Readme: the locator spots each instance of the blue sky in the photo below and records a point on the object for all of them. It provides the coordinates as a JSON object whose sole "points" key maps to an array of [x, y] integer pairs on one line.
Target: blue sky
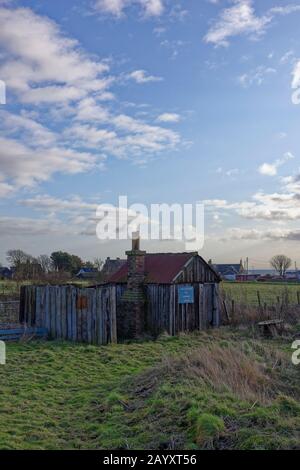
{"points": [[163, 101]]}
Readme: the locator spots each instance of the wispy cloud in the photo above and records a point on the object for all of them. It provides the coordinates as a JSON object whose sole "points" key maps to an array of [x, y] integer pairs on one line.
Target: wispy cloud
{"points": [[256, 76], [169, 117], [141, 76], [150, 8], [270, 169], [241, 19], [235, 20]]}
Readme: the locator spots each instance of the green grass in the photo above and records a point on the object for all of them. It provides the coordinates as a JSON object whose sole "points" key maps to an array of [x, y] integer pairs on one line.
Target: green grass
{"points": [[246, 292], [216, 389]]}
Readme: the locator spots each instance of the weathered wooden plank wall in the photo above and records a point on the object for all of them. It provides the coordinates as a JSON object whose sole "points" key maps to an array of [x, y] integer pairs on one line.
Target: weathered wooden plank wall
{"points": [[164, 313], [92, 315], [71, 313]]}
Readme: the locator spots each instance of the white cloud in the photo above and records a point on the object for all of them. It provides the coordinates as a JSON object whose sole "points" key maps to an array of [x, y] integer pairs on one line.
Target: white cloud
{"points": [[285, 10], [270, 169], [31, 130], [241, 18], [150, 8], [21, 226], [273, 234], [141, 76], [36, 53], [232, 172], [256, 76], [52, 204], [173, 46], [168, 117], [129, 138], [274, 207], [51, 74], [235, 20], [24, 166]]}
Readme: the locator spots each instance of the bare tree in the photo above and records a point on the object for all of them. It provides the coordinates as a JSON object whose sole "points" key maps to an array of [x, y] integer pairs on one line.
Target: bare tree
{"points": [[281, 263], [18, 257], [98, 263], [46, 263]]}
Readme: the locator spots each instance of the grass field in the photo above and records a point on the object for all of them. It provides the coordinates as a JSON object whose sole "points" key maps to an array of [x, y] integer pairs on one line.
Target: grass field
{"points": [[246, 292], [216, 389]]}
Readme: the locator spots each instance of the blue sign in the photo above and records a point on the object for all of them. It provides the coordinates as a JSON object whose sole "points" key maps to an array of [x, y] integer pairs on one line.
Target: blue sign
{"points": [[186, 294]]}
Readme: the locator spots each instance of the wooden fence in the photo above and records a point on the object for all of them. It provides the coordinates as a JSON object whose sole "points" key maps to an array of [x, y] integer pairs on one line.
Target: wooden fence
{"points": [[71, 313], [165, 313], [95, 315]]}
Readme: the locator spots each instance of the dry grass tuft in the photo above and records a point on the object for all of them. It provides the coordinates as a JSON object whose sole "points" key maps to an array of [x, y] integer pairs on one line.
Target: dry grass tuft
{"points": [[225, 370], [248, 375]]}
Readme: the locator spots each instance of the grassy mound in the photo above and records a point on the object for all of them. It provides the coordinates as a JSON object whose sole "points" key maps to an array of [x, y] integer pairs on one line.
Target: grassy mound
{"points": [[221, 389]]}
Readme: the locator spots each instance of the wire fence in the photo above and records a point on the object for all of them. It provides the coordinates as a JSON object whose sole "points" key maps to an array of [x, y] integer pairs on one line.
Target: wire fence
{"points": [[9, 312]]}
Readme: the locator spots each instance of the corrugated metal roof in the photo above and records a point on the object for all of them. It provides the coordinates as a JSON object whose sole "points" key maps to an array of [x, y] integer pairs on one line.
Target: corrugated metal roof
{"points": [[160, 268]]}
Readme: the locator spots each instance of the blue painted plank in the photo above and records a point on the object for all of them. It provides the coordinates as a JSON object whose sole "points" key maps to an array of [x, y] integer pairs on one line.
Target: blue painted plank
{"points": [[27, 331]]}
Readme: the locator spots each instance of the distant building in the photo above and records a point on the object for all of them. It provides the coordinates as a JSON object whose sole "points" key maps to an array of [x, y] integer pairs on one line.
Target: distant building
{"points": [[293, 275], [5, 273], [111, 266], [229, 272], [87, 273], [244, 277]]}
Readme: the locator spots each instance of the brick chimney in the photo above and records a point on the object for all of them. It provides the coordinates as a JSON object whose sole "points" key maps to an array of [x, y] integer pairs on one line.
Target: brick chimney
{"points": [[136, 268], [134, 297]]}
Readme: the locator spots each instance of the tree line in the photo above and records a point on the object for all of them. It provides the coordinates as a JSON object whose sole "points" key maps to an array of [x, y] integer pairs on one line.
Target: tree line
{"points": [[26, 266]]}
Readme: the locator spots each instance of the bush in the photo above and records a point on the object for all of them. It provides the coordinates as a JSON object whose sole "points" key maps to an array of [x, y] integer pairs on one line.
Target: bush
{"points": [[206, 427]]}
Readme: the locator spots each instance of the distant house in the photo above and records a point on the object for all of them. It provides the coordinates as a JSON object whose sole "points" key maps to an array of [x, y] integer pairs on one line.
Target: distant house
{"points": [[87, 273], [5, 273], [111, 266], [229, 272]]}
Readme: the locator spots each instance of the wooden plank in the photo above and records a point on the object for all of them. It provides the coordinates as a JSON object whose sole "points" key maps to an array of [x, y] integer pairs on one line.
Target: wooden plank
{"points": [[74, 313], [28, 306], [84, 336], [89, 293], [200, 307], [22, 331], [38, 312], [58, 313], [64, 329], [78, 314], [43, 305], [99, 316], [216, 303], [52, 301], [113, 313], [104, 316], [69, 312], [47, 308], [94, 315]]}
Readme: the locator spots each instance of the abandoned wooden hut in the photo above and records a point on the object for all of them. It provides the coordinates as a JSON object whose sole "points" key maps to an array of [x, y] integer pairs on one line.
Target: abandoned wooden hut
{"points": [[150, 294], [169, 292]]}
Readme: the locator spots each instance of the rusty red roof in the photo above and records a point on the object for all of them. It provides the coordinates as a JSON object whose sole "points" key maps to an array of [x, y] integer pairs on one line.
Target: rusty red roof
{"points": [[161, 268]]}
